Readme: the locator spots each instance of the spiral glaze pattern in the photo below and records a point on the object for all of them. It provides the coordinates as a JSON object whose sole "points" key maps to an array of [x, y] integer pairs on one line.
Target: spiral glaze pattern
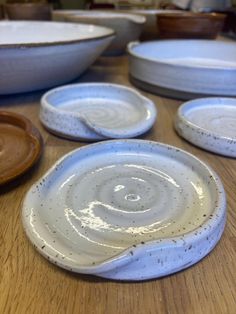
{"points": [[125, 200], [126, 209], [113, 114]]}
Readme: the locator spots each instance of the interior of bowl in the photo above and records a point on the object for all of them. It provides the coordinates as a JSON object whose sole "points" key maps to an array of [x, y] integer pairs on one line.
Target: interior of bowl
{"points": [[41, 33], [197, 52]]}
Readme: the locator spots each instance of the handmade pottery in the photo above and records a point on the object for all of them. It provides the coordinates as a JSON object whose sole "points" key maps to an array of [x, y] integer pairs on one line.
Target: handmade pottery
{"points": [[184, 68], [126, 210], [95, 111], [37, 55], [209, 123], [20, 146], [1, 12], [190, 25], [128, 27], [29, 11]]}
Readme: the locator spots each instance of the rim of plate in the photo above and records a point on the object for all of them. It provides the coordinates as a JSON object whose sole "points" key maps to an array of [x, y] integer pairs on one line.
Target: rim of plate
{"points": [[142, 127], [131, 46], [181, 115], [110, 32], [131, 252]]}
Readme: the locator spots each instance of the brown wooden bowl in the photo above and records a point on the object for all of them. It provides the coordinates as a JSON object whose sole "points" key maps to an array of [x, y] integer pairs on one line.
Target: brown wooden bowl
{"points": [[20, 146], [190, 25], [29, 11]]}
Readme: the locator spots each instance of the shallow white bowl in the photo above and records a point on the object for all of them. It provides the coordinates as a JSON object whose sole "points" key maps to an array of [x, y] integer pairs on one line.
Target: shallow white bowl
{"points": [[97, 111], [37, 55], [209, 123], [128, 27], [184, 68], [130, 210]]}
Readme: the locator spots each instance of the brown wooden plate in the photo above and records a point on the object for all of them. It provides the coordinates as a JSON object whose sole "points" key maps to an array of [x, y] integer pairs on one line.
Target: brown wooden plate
{"points": [[20, 146]]}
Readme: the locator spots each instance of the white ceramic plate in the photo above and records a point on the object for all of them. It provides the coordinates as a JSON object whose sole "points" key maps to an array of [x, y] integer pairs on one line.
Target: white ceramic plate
{"points": [[184, 68], [128, 210], [209, 123], [37, 55], [97, 111]]}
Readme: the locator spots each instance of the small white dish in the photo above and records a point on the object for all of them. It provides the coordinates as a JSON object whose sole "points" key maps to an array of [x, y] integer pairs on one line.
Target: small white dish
{"points": [[38, 55], [184, 69], [95, 111], [209, 123], [126, 210]]}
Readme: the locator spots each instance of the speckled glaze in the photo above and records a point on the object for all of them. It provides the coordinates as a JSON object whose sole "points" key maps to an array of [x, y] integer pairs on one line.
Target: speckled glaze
{"points": [[97, 111], [209, 123], [211, 69], [128, 27], [126, 210], [37, 55]]}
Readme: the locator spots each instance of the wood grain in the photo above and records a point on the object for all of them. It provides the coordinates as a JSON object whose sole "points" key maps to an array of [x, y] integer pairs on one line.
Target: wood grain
{"points": [[30, 284]]}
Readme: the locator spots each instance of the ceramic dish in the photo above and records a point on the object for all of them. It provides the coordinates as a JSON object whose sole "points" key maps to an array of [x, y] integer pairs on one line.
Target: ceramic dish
{"points": [[96, 111], [29, 11], [190, 25], [150, 30], [1, 12], [129, 210], [184, 68], [20, 146], [61, 15], [128, 27], [209, 123], [36, 55]]}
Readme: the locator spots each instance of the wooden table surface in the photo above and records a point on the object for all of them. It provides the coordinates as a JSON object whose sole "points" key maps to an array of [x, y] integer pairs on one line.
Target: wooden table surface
{"points": [[30, 284]]}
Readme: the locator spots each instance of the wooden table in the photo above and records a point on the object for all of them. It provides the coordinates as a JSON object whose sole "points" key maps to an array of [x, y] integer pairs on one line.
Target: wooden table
{"points": [[30, 284]]}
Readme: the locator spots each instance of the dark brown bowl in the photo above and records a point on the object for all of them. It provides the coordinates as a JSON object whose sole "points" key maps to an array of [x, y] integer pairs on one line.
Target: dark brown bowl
{"points": [[190, 25], [29, 11], [1, 12]]}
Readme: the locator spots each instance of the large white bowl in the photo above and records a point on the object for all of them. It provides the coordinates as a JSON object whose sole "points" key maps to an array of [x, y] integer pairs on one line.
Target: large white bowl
{"points": [[128, 27], [184, 68], [37, 55], [150, 28]]}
